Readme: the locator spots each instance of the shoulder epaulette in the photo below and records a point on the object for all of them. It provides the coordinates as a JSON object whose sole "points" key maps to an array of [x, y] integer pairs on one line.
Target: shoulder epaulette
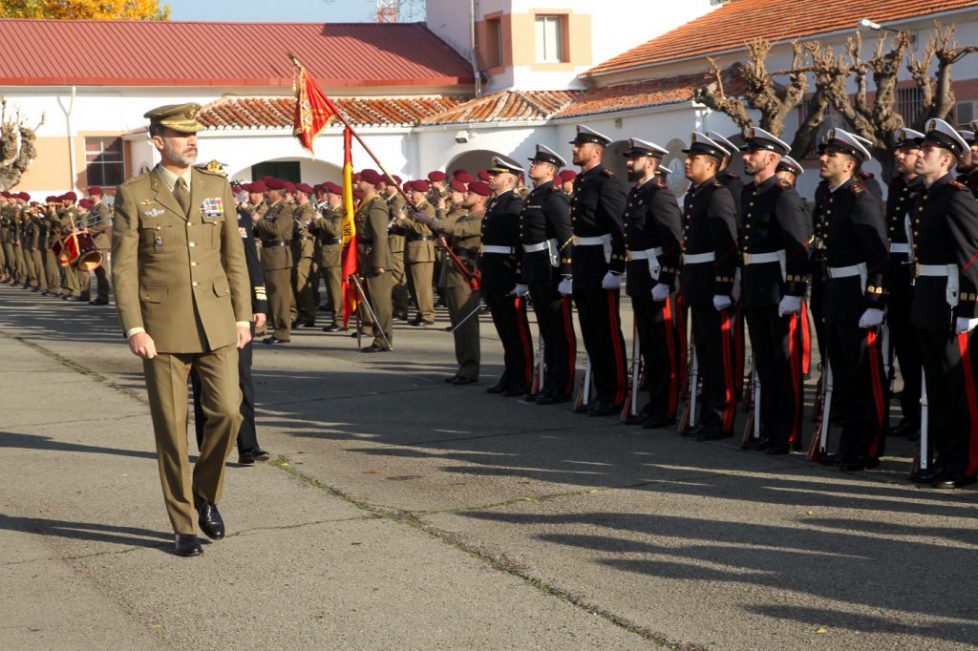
{"points": [[959, 186], [857, 188], [608, 173], [659, 183], [204, 170]]}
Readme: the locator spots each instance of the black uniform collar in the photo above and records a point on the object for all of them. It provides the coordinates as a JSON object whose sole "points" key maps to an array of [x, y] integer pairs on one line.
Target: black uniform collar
{"points": [[944, 180], [648, 185], [696, 188], [765, 185], [597, 169], [844, 185], [543, 187]]}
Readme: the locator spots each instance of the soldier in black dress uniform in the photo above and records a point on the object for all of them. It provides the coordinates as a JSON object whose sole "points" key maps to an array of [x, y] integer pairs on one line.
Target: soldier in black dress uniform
{"points": [[855, 250], [968, 163], [775, 232], [500, 268], [945, 305], [653, 228], [597, 206], [709, 262], [902, 194], [548, 244]]}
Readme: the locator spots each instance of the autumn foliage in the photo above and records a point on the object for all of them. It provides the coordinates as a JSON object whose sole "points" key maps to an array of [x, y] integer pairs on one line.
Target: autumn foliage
{"points": [[85, 9]]}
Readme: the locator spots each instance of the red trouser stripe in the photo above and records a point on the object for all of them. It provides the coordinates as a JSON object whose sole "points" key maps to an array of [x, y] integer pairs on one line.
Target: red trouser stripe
{"points": [[667, 321], [794, 358], [681, 332], [806, 340], [565, 307], [739, 353], [728, 384], [524, 341], [877, 386], [969, 390], [616, 345]]}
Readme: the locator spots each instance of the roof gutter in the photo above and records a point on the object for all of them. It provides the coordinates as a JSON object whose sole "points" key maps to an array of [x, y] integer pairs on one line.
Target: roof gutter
{"points": [[838, 32], [71, 136]]}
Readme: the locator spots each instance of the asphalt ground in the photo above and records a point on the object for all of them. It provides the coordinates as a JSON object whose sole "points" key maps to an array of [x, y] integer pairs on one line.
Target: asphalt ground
{"points": [[402, 513]]}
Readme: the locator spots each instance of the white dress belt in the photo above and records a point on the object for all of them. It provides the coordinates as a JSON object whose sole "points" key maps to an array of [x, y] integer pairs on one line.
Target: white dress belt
{"points": [[646, 254], [932, 270], [699, 258], [533, 248], [949, 271], [501, 250], [899, 247], [763, 258], [854, 270], [600, 240]]}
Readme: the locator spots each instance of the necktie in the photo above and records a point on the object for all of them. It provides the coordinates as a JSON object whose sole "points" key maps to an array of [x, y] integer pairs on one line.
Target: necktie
{"points": [[182, 195]]}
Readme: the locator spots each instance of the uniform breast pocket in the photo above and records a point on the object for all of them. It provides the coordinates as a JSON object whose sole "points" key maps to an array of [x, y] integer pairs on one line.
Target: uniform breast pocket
{"points": [[156, 239], [214, 230]]}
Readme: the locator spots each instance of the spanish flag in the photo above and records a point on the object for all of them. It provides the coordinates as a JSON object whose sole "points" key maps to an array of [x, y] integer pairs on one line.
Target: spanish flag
{"points": [[349, 230], [313, 110]]}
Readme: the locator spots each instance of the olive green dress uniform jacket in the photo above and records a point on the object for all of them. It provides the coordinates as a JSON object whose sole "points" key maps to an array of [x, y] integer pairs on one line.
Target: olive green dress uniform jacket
{"points": [[100, 224], [275, 227], [373, 247], [464, 230], [303, 245], [171, 271], [328, 228], [419, 250]]}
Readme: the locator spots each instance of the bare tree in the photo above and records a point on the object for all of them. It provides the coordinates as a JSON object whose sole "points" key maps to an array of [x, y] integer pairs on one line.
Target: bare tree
{"points": [[17, 147], [937, 92]]}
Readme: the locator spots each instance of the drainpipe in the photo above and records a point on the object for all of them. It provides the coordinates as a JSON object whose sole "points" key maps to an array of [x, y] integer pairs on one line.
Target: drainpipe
{"points": [[474, 50], [71, 138]]}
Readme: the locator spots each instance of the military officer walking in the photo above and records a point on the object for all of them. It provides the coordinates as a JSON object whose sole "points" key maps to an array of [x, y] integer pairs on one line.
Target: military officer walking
{"points": [[182, 294], [653, 228], [275, 231], [597, 206]]}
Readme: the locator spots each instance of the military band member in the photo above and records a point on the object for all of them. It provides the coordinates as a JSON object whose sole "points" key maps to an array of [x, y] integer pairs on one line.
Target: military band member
{"points": [[303, 249], [944, 311], [181, 289], [548, 244], [400, 295], [32, 250], [709, 260], [328, 228], [17, 232], [463, 230], [775, 232], [597, 205], [52, 230], [8, 272], [77, 280], [855, 250], [419, 254], [275, 230], [500, 268], [653, 228], [100, 227], [374, 258], [899, 277]]}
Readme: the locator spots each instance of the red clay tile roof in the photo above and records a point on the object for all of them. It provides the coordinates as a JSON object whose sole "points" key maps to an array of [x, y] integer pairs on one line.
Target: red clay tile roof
{"points": [[507, 106], [733, 24], [278, 112], [129, 53], [639, 95]]}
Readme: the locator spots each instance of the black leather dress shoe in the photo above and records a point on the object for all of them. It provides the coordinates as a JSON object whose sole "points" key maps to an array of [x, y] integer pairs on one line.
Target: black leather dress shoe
{"points": [[72, 299], [959, 481], [599, 409], [99, 301], [248, 457], [514, 392], [451, 380], [274, 340], [851, 465], [332, 327], [713, 435], [209, 519], [925, 476], [187, 545], [693, 432], [777, 449], [831, 459], [421, 323], [497, 388], [554, 398], [760, 444], [374, 348], [462, 381], [657, 422]]}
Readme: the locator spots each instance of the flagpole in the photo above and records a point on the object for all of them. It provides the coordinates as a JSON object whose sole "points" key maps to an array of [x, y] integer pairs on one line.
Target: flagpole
{"points": [[472, 278]]}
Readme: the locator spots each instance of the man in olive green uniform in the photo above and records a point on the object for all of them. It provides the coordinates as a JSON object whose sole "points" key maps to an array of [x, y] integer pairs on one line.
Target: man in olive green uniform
{"points": [[52, 231], [183, 295], [275, 231], [32, 250], [420, 254], [75, 283], [396, 203], [374, 258], [100, 226], [328, 228], [303, 248], [6, 241], [463, 228]]}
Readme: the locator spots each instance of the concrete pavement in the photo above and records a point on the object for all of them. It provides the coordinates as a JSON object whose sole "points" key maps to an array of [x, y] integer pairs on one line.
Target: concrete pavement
{"points": [[402, 513]]}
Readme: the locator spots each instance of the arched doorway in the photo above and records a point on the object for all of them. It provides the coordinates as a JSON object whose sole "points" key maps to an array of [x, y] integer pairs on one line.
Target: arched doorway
{"points": [[296, 170]]}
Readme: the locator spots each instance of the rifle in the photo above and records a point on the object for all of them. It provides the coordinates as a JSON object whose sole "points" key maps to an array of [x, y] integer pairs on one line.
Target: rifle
{"points": [[820, 438], [688, 419], [752, 398], [539, 371], [921, 462], [629, 410], [583, 399]]}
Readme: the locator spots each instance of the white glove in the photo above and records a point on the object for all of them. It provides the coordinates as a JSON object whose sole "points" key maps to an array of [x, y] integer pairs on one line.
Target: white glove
{"points": [[721, 302], [520, 290], [660, 292], [611, 280], [789, 305], [964, 324], [566, 286], [871, 318]]}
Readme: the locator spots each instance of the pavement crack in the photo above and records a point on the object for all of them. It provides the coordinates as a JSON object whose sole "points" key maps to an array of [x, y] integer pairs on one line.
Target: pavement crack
{"points": [[495, 561]]}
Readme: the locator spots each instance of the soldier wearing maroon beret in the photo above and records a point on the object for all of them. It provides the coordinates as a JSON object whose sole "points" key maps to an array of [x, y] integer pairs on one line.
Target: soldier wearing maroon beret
{"points": [[304, 273], [275, 231], [419, 253], [328, 230]]}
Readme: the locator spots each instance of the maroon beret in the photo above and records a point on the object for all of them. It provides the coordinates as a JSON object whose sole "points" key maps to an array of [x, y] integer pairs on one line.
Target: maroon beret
{"points": [[85, 203], [421, 186], [333, 188], [304, 187], [51, 199], [457, 186], [484, 175], [463, 176], [95, 191], [69, 196], [258, 187], [356, 177], [480, 187], [437, 176], [397, 179], [5, 194], [289, 186], [275, 184], [24, 196], [567, 175], [370, 176]]}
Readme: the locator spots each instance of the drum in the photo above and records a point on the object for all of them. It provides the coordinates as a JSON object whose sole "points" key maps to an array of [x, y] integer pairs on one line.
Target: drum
{"points": [[82, 251], [58, 249]]}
